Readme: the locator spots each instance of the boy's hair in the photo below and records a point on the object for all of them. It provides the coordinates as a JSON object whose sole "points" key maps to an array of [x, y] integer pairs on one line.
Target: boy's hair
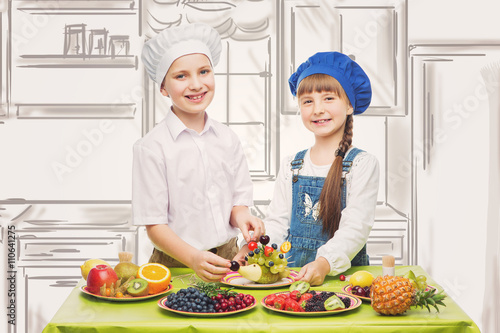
{"points": [[330, 200]]}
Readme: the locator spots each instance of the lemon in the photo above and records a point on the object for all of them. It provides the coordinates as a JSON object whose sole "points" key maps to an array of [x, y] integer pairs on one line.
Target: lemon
{"points": [[89, 264], [361, 278]]}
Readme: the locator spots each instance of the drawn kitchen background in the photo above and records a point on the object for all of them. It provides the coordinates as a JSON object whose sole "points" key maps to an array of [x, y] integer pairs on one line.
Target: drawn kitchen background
{"points": [[74, 98]]}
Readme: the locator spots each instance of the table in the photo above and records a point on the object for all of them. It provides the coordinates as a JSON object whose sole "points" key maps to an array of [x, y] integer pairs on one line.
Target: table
{"points": [[84, 313]]}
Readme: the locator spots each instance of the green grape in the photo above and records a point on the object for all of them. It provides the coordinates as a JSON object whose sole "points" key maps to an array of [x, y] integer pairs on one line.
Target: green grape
{"points": [[274, 269], [280, 267], [285, 262], [275, 256], [251, 260], [267, 263], [261, 261]]}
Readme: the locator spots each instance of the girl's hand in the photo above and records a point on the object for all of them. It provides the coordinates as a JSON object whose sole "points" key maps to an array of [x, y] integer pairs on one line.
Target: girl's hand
{"points": [[209, 266], [314, 272], [240, 256]]}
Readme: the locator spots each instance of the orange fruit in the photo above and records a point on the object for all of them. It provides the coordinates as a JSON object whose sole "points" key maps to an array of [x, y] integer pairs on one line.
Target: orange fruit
{"points": [[285, 247], [157, 275]]}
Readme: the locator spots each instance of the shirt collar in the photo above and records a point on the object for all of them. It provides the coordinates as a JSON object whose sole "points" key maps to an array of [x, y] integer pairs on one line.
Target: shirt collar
{"points": [[176, 126]]}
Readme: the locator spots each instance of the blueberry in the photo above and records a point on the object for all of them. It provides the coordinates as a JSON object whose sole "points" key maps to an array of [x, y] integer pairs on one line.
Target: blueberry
{"points": [[256, 251], [250, 254], [274, 246], [271, 263], [281, 256]]}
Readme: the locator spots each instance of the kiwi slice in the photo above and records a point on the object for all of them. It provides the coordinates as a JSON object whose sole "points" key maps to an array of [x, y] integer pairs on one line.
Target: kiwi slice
{"points": [[334, 303], [301, 286], [138, 287]]}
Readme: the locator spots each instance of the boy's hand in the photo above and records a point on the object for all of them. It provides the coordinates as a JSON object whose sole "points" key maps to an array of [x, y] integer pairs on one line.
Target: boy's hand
{"points": [[240, 256], [209, 266], [246, 222], [315, 272]]}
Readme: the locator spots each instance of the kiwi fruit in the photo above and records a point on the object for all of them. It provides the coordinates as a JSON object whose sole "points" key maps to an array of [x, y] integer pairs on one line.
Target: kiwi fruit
{"points": [[301, 286], [138, 287], [125, 268], [334, 303]]}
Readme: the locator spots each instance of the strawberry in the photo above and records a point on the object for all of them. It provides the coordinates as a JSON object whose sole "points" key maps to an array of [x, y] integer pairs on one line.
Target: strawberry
{"points": [[295, 295], [291, 305], [268, 251], [279, 303], [304, 298], [271, 299]]}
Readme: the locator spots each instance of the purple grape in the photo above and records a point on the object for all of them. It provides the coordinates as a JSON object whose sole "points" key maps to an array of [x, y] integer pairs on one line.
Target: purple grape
{"points": [[264, 239], [235, 265]]}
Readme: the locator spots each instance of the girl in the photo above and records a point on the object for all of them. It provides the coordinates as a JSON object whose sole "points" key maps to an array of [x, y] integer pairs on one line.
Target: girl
{"points": [[325, 196]]}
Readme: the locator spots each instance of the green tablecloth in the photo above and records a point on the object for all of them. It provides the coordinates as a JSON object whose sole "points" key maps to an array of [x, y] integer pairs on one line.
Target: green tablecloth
{"points": [[84, 313]]}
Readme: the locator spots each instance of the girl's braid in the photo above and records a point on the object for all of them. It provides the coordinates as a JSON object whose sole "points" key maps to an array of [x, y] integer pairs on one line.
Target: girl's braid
{"points": [[346, 141]]}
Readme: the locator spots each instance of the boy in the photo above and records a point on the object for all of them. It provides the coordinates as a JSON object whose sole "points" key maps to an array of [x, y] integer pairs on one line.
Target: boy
{"points": [[191, 184]]}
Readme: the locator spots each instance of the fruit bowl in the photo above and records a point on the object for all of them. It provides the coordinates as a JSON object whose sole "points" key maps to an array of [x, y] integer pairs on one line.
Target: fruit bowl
{"points": [[84, 290], [355, 303], [235, 279]]}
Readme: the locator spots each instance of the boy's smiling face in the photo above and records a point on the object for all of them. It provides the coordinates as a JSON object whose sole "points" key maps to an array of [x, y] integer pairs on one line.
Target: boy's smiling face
{"points": [[190, 84]]}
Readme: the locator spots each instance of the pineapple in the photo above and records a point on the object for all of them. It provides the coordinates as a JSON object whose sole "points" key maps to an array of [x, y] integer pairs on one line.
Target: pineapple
{"points": [[393, 295]]}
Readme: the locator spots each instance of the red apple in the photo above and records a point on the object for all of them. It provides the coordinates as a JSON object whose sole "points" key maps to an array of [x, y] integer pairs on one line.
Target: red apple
{"points": [[98, 276]]}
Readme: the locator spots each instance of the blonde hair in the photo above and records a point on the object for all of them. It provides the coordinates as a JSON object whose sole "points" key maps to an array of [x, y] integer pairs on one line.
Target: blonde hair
{"points": [[330, 207]]}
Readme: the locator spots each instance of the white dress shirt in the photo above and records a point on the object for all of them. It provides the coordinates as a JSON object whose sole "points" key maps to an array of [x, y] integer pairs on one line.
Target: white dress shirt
{"points": [[190, 180], [357, 217]]}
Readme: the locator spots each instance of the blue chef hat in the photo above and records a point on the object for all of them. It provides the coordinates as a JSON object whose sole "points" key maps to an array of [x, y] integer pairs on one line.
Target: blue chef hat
{"points": [[350, 75]]}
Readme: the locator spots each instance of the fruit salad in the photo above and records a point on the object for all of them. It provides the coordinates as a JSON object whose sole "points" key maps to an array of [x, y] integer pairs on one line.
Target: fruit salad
{"points": [[206, 297], [265, 263]]}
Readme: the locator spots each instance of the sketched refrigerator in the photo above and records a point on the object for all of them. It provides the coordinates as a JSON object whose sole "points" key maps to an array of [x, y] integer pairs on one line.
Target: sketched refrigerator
{"points": [[454, 108]]}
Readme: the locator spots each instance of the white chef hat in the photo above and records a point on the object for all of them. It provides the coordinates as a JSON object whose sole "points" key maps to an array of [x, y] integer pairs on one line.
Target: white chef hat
{"points": [[161, 51]]}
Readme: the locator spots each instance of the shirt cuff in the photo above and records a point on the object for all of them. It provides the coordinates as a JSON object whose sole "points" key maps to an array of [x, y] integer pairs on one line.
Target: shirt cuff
{"points": [[339, 262]]}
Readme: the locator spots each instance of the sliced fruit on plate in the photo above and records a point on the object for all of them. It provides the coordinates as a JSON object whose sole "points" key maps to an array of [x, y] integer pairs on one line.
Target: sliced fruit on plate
{"points": [[301, 286], [157, 275], [334, 303]]}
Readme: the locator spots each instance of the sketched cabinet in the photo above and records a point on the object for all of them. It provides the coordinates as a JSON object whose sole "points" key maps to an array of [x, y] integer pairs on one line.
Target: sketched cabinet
{"points": [[50, 253], [372, 32], [75, 98]]}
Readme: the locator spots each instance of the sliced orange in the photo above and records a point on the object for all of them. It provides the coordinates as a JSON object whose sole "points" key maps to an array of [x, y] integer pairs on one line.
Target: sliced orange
{"points": [[285, 247], [157, 275]]}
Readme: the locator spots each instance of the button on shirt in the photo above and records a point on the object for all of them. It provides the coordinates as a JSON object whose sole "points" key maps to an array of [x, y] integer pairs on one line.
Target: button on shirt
{"points": [[190, 180], [357, 217]]}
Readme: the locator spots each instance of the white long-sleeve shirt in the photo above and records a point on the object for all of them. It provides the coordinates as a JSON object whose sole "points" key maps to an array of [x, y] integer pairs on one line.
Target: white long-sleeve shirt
{"points": [[190, 180], [357, 217]]}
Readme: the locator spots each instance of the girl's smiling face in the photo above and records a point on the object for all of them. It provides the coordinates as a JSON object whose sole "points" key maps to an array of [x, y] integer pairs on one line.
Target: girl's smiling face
{"points": [[190, 84], [324, 113]]}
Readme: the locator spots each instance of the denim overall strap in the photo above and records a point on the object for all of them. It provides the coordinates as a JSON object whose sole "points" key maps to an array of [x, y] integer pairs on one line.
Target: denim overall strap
{"points": [[297, 163], [362, 258]]}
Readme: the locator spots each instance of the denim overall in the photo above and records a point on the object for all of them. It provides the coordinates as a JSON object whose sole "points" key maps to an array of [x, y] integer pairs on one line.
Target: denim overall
{"points": [[306, 228]]}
